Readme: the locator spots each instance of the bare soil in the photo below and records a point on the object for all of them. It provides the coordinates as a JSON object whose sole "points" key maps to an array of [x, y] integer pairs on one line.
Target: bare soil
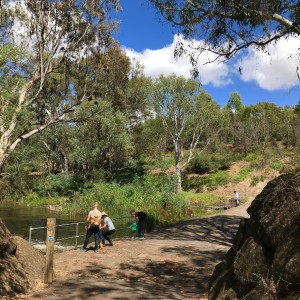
{"points": [[171, 263]]}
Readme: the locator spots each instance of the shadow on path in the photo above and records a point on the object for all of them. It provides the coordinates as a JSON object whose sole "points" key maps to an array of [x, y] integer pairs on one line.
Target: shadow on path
{"points": [[141, 279], [217, 229], [186, 256]]}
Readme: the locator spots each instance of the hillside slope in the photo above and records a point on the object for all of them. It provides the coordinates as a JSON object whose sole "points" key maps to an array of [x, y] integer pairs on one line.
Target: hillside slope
{"points": [[244, 187]]}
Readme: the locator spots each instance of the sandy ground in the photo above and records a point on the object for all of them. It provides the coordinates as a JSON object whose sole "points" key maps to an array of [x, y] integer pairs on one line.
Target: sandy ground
{"points": [[171, 263]]}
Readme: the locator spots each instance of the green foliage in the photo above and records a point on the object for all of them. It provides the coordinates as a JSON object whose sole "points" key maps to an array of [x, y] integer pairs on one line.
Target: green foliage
{"points": [[62, 184], [243, 174], [233, 25], [210, 163], [256, 179], [214, 180], [97, 175], [270, 159], [276, 164], [211, 181], [34, 199], [153, 194], [204, 198], [195, 183]]}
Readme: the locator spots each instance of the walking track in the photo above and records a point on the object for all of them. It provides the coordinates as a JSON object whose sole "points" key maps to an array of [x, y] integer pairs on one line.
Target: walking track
{"points": [[172, 263]]}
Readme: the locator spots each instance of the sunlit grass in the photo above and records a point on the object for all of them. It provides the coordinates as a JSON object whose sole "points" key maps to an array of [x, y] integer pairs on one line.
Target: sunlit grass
{"points": [[204, 198]]}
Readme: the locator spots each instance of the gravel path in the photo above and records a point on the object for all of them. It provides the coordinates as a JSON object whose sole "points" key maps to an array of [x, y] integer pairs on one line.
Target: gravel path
{"points": [[172, 263]]}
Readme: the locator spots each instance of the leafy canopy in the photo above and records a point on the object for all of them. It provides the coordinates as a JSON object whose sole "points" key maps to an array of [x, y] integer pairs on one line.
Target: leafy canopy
{"points": [[226, 27]]}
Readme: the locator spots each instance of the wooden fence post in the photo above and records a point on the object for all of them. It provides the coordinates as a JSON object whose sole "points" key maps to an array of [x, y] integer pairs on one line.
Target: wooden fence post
{"points": [[48, 276]]}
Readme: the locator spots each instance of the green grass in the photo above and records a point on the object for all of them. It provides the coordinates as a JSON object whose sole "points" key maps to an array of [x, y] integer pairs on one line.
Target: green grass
{"points": [[33, 199], [204, 198], [212, 181], [242, 175], [256, 179]]}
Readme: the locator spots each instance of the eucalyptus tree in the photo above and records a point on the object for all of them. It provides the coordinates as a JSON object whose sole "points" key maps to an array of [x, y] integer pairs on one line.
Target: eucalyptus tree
{"points": [[44, 41], [227, 27], [108, 81], [235, 103], [188, 116], [239, 128], [288, 126], [269, 117]]}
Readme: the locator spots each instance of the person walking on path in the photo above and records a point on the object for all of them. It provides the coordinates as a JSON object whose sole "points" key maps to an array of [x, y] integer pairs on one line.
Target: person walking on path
{"points": [[107, 229], [236, 198], [92, 227], [142, 218]]}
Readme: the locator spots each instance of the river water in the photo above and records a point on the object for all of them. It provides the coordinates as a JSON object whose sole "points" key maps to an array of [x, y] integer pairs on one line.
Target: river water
{"points": [[18, 220]]}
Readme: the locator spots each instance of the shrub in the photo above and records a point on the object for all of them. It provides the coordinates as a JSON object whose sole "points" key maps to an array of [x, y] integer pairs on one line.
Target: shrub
{"points": [[62, 184], [214, 180], [210, 163], [193, 183], [153, 194], [277, 165], [256, 179]]}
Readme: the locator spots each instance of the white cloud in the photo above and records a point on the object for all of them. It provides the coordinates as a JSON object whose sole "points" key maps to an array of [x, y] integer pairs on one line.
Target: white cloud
{"points": [[162, 61], [274, 71], [270, 72]]}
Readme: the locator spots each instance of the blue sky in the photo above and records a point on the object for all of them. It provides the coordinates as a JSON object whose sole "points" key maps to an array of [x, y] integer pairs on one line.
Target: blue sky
{"points": [[264, 78]]}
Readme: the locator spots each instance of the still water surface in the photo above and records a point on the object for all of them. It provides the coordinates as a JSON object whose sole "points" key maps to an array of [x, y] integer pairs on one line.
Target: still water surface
{"points": [[18, 220]]}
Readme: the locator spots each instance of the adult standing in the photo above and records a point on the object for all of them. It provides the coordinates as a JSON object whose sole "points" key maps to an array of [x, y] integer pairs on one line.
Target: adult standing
{"points": [[141, 217], [236, 198], [92, 227], [107, 229]]}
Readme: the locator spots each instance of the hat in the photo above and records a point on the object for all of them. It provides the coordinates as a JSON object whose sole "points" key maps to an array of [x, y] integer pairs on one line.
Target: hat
{"points": [[104, 213]]}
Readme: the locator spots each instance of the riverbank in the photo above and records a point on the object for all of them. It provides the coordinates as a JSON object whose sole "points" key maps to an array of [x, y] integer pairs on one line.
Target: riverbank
{"points": [[172, 263]]}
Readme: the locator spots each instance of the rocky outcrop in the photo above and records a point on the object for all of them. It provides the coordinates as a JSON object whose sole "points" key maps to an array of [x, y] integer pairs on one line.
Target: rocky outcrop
{"points": [[20, 264], [264, 260]]}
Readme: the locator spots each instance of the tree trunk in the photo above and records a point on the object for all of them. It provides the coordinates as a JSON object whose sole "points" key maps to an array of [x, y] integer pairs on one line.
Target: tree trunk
{"points": [[178, 184], [3, 158], [178, 169]]}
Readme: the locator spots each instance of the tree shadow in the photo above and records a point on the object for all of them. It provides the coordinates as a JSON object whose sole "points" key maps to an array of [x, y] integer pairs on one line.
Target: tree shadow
{"points": [[183, 275], [141, 279], [217, 230]]}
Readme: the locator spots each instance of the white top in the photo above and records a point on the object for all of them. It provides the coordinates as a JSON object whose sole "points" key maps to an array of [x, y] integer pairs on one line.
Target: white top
{"points": [[109, 223], [236, 196]]}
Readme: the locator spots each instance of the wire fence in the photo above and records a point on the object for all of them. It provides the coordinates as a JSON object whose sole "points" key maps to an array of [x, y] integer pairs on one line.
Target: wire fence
{"points": [[74, 231]]}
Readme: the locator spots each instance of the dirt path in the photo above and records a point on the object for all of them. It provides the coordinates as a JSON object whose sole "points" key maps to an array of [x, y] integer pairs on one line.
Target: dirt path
{"points": [[172, 263]]}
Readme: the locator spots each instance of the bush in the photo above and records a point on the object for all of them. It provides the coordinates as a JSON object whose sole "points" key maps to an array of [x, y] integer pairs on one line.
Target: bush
{"points": [[256, 179], [193, 183], [153, 194], [277, 165], [62, 184], [214, 180], [210, 163]]}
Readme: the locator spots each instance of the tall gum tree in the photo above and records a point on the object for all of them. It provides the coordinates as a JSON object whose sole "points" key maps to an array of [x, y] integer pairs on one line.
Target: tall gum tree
{"points": [[188, 115], [40, 39]]}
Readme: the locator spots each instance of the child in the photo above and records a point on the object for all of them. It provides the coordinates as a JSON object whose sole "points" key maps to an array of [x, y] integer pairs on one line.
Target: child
{"points": [[141, 217], [133, 228]]}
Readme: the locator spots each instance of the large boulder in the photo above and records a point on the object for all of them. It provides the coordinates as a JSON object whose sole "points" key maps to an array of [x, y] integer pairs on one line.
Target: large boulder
{"points": [[264, 260], [21, 265]]}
